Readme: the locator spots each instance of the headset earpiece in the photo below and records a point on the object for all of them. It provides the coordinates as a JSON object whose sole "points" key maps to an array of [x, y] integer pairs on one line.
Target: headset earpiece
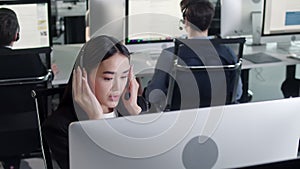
{"points": [[17, 36]]}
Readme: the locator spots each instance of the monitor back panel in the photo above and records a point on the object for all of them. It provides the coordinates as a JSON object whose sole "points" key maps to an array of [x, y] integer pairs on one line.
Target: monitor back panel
{"points": [[218, 137]]}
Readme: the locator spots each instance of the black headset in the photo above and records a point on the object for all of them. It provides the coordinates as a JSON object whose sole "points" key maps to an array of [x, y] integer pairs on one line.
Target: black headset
{"points": [[18, 36]]}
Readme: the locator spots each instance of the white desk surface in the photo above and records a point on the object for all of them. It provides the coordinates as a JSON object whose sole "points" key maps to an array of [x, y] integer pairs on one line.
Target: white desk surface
{"points": [[144, 62], [272, 50]]}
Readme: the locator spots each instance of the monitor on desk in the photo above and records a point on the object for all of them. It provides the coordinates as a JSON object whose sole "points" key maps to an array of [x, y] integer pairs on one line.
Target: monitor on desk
{"points": [[107, 17], [151, 24], [216, 137], [74, 1], [152, 21], [280, 21], [154, 24], [237, 17], [34, 20]]}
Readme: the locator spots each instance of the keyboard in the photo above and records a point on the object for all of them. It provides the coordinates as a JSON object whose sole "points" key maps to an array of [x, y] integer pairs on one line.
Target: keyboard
{"points": [[294, 56], [261, 58]]}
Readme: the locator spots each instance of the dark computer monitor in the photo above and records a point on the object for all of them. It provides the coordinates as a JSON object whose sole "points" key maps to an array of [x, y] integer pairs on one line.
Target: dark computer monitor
{"points": [[71, 1], [34, 20], [215, 27], [280, 21]]}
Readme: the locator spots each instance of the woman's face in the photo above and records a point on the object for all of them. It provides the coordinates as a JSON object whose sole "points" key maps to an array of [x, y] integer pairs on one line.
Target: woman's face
{"points": [[109, 80]]}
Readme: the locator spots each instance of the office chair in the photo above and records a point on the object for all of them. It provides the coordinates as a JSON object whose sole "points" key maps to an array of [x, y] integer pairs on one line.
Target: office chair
{"points": [[201, 76], [43, 99], [19, 122]]}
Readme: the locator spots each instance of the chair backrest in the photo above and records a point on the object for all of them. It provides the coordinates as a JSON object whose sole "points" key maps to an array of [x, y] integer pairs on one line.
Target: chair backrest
{"points": [[44, 102], [18, 118], [205, 73]]}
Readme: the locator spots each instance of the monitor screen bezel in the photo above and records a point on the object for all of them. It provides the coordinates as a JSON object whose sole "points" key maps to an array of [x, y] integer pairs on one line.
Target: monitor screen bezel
{"points": [[127, 42], [15, 2], [263, 34], [215, 31]]}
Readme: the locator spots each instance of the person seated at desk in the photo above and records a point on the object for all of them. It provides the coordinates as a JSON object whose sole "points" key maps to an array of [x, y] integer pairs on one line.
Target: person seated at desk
{"points": [[14, 65], [197, 17], [102, 79]]}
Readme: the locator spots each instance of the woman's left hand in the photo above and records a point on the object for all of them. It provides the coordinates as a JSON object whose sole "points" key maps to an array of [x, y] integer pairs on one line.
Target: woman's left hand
{"points": [[130, 102]]}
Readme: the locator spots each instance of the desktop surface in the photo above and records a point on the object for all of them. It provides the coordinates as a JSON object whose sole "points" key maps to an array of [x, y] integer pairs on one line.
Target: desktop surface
{"points": [[229, 136], [144, 58]]}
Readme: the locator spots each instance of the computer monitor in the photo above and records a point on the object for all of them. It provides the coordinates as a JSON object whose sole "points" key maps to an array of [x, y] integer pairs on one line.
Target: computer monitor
{"points": [[152, 21], [157, 22], [73, 1], [280, 21], [215, 26], [236, 17], [33, 17], [217, 137], [107, 17]]}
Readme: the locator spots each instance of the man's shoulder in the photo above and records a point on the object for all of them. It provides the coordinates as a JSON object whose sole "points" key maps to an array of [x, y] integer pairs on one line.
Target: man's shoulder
{"points": [[5, 50], [169, 49]]}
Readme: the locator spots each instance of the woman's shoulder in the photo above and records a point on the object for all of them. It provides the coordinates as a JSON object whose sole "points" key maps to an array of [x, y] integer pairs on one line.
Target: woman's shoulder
{"points": [[60, 119]]}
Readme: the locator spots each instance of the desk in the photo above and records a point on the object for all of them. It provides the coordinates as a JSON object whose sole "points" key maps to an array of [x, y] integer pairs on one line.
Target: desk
{"points": [[64, 56], [144, 62], [270, 49]]}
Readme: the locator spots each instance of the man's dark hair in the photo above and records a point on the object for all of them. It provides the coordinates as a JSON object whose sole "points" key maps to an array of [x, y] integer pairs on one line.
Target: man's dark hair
{"points": [[198, 12], [9, 26]]}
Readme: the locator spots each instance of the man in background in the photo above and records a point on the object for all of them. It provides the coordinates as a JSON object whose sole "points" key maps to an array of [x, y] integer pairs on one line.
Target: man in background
{"points": [[13, 65]]}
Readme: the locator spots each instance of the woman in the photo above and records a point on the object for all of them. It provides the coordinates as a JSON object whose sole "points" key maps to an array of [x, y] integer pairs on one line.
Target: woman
{"points": [[102, 77]]}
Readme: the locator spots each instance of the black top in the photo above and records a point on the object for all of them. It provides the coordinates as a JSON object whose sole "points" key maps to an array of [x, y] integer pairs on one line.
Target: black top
{"points": [[164, 67], [20, 64], [56, 129]]}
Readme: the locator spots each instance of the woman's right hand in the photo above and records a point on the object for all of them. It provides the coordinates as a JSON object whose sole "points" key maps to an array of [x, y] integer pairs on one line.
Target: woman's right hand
{"points": [[84, 96]]}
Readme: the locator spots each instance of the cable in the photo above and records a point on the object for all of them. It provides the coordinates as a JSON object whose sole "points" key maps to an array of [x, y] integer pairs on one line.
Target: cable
{"points": [[259, 75]]}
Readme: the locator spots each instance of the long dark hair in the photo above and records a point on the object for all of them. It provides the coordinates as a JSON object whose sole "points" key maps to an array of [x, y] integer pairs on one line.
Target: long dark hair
{"points": [[91, 55]]}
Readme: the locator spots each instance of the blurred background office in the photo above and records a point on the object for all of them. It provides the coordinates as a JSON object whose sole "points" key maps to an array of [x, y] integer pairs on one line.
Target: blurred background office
{"points": [[68, 20]]}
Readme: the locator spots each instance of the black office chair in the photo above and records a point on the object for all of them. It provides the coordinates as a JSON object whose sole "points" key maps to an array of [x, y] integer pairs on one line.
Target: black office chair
{"points": [[46, 101], [200, 78], [19, 122]]}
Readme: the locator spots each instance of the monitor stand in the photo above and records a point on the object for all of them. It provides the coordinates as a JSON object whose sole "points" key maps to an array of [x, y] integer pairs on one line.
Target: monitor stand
{"points": [[256, 29]]}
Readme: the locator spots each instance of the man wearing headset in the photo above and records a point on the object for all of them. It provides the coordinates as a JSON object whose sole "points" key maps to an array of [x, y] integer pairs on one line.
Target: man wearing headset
{"points": [[9, 28], [11, 65], [197, 17], [14, 65]]}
